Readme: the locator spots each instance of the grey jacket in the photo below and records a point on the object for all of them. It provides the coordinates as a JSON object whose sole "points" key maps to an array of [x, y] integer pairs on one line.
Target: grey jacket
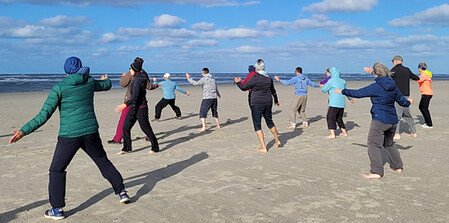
{"points": [[207, 82]]}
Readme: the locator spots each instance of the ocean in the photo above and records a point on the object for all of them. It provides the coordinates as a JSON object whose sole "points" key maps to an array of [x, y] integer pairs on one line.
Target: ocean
{"points": [[44, 82]]}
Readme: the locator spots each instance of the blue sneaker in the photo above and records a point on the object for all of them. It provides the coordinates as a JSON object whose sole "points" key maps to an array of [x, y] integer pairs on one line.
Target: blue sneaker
{"points": [[54, 213], [124, 198]]}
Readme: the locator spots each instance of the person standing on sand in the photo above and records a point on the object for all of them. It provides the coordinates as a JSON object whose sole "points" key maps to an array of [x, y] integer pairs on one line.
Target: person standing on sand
{"points": [[125, 81], [252, 72], [74, 97], [168, 98], [336, 103], [401, 76], [210, 94], [425, 87], [300, 100], [138, 110], [262, 94], [383, 93]]}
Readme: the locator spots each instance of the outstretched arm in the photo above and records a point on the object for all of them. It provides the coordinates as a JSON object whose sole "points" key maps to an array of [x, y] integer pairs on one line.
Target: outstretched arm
{"points": [[104, 84]]}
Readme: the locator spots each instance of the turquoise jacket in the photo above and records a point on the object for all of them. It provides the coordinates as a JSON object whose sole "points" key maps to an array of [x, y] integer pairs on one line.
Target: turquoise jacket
{"points": [[74, 97], [335, 82], [168, 89]]}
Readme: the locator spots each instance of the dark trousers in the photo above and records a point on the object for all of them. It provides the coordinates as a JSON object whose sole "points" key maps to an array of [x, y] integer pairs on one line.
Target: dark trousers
{"points": [[335, 116], [257, 112], [66, 149], [141, 115], [163, 103], [424, 108], [381, 136], [207, 104]]}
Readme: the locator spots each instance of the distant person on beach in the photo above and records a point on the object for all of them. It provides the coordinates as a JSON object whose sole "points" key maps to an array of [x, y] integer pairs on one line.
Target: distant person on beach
{"points": [[401, 76], [138, 109], [262, 94], [168, 97], [328, 76], [251, 73], [300, 100], [336, 103], [125, 81], [383, 93], [74, 97], [425, 88], [210, 94]]}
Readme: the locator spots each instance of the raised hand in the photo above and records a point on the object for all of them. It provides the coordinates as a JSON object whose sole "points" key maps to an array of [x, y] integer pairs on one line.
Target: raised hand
{"points": [[187, 75], [237, 79], [277, 78], [104, 77]]}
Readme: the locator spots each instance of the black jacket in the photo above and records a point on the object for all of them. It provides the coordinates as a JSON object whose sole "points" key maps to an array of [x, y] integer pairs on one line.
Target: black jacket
{"points": [[401, 76], [262, 90], [138, 90]]}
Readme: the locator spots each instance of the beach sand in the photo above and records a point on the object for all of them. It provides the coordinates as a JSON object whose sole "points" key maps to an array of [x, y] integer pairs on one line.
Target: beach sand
{"points": [[218, 176]]}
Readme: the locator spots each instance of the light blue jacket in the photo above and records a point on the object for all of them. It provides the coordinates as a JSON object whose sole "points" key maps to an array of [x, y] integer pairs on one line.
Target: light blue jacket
{"points": [[300, 81], [168, 89], [335, 82]]}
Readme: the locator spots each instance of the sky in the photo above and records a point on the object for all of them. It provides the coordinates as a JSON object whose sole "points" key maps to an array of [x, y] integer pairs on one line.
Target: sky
{"points": [[36, 36]]}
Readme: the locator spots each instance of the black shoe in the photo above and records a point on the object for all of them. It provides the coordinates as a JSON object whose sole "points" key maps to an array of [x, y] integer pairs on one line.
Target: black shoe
{"points": [[113, 142]]}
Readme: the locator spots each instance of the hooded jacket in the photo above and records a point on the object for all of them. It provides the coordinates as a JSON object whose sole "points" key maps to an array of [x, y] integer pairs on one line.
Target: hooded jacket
{"points": [[207, 82], [168, 89], [335, 82], [74, 97], [383, 94], [425, 83], [300, 81]]}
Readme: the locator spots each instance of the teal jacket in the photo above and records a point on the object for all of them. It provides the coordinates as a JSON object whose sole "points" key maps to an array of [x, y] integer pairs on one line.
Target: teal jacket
{"points": [[74, 97], [335, 82]]}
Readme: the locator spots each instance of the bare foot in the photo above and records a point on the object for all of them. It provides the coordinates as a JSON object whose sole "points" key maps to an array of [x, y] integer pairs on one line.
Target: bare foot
{"points": [[398, 170], [397, 136], [262, 150], [151, 152], [278, 145], [202, 129], [414, 135], [292, 127], [330, 137], [343, 134], [304, 126], [218, 127], [121, 153], [371, 176]]}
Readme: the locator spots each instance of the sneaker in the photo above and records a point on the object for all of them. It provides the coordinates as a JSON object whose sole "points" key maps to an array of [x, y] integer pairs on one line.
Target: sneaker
{"points": [[54, 213], [426, 126], [124, 198], [113, 142]]}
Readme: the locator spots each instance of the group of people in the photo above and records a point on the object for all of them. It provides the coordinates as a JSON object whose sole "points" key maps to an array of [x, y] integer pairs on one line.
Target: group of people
{"points": [[79, 128]]}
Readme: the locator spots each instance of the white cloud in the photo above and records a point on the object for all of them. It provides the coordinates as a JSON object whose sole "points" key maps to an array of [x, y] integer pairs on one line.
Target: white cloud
{"points": [[203, 26], [249, 49], [167, 21], [112, 38], [235, 33], [65, 21], [160, 43], [202, 43], [341, 6], [138, 32], [437, 16]]}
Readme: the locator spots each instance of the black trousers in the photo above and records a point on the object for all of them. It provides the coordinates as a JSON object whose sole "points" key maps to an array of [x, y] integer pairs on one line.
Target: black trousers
{"points": [[335, 115], [207, 104], [66, 149], [257, 112], [141, 115], [424, 108], [163, 103]]}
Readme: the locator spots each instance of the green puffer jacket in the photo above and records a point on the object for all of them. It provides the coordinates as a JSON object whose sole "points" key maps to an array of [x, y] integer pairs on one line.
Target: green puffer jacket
{"points": [[74, 97]]}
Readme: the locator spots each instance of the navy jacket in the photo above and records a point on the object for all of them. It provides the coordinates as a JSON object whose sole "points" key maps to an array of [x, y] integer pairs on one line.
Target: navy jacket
{"points": [[262, 90], [138, 90], [383, 93]]}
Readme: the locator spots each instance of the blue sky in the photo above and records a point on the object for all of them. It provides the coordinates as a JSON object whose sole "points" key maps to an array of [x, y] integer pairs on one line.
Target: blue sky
{"points": [[36, 36]]}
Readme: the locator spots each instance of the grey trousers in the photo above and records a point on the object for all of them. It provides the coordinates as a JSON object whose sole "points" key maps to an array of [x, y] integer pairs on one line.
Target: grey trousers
{"points": [[381, 136], [298, 105], [404, 112]]}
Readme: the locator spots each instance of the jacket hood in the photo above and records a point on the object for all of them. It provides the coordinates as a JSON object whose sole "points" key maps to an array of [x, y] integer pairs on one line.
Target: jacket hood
{"points": [[334, 72], [386, 83], [76, 79], [428, 72], [301, 76]]}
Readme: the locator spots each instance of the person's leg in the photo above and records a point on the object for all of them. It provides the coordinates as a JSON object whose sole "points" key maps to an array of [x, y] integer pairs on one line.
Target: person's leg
{"points": [[204, 108], [175, 108], [119, 132], [93, 147], [130, 120], [424, 108], [268, 116], [142, 117], [293, 109], [214, 108], [375, 145], [256, 114], [302, 110], [407, 116], [399, 112], [394, 157], [331, 118], [66, 149], [159, 106], [341, 124]]}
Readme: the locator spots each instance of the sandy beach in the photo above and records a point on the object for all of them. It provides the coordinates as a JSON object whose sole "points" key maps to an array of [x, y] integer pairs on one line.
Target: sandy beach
{"points": [[218, 176]]}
